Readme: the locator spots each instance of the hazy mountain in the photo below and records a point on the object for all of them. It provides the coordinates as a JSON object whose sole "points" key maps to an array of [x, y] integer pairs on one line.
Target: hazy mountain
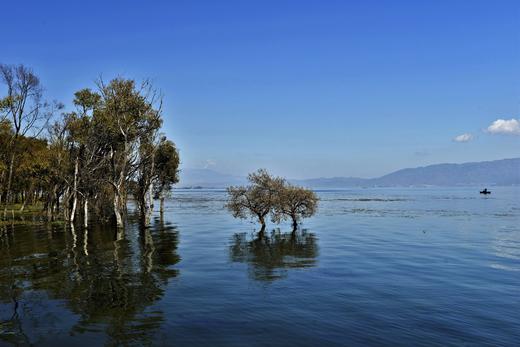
{"points": [[487, 173], [498, 172]]}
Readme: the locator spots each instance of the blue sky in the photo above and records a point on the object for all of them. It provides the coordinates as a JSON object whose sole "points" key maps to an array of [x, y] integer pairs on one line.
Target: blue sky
{"points": [[303, 88]]}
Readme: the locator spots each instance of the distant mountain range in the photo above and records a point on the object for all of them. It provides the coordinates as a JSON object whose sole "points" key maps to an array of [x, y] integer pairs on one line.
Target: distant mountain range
{"points": [[487, 173]]}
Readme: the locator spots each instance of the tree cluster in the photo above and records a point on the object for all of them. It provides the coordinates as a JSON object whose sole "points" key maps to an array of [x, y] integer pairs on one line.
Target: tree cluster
{"points": [[271, 196], [90, 159]]}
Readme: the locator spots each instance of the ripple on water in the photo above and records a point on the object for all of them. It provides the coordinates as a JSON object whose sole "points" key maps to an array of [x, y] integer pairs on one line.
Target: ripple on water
{"points": [[427, 266]]}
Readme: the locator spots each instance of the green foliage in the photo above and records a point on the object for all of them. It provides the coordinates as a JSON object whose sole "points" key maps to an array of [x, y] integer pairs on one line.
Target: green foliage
{"points": [[167, 166], [93, 156], [5, 104], [256, 200], [86, 100], [271, 195], [295, 203]]}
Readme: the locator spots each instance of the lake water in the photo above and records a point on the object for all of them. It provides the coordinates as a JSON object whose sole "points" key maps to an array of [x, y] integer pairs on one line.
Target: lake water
{"points": [[416, 267]]}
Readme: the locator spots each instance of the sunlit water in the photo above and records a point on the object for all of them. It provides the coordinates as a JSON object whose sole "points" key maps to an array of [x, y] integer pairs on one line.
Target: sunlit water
{"points": [[373, 267]]}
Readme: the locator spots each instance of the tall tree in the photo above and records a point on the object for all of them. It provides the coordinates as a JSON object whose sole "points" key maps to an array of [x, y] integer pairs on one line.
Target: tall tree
{"points": [[167, 169], [83, 147], [94, 157], [127, 118], [24, 107]]}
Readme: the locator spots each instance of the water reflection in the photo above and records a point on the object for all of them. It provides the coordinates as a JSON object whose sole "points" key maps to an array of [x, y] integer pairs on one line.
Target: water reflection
{"points": [[269, 256], [109, 280]]}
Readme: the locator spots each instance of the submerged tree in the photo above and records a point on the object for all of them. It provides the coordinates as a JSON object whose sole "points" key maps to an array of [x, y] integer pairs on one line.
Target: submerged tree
{"points": [[91, 159], [295, 203], [84, 148], [167, 169], [127, 121], [27, 113], [271, 195], [256, 200]]}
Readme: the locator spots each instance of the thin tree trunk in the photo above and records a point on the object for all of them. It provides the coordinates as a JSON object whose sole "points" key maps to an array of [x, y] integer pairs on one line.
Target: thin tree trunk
{"points": [[150, 198], [24, 201], [117, 210], [261, 232], [66, 204], [55, 206], [161, 207], [85, 213], [148, 204], [261, 219], [9, 179], [74, 192], [50, 204], [294, 223], [85, 243], [141, 200]]}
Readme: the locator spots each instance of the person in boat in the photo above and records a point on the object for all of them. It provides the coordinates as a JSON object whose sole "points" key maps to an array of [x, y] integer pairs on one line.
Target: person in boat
{"points": [[485, 191]]}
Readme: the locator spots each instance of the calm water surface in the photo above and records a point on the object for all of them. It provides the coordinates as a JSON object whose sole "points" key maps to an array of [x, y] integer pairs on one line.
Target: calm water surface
{"points": [[374, 267]]}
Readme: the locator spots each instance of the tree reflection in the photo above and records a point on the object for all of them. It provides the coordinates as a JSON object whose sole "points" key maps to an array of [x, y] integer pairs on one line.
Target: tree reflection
{"points": [[110, 279], [269, 256]]}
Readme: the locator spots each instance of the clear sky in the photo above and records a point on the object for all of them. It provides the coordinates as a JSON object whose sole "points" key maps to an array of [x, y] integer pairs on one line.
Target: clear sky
{"points": [[303, 88]]}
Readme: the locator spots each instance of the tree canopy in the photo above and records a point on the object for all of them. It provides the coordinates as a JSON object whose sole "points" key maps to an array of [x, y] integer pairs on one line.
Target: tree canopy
{"points": [[95, 156], [269, 195]]}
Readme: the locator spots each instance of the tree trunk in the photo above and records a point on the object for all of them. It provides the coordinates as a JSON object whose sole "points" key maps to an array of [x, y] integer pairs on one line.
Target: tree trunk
{"points": [[75, 191], [9, 179], [117, 210], [85, 243], [145, 192], [50, 204], [261, 232], [85, 213], [150, 198], [261, 220], [294, 222], [161, 208], [24, 201], [145, 201], [148, 207], [66, 204]]}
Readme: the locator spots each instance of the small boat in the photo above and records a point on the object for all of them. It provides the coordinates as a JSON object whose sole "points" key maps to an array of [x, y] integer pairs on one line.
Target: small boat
{"points": [[485, 191]]}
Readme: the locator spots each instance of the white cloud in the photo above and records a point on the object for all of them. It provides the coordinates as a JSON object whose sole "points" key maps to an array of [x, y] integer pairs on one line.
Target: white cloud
{"points": [[463, 138], [505, 126]]}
